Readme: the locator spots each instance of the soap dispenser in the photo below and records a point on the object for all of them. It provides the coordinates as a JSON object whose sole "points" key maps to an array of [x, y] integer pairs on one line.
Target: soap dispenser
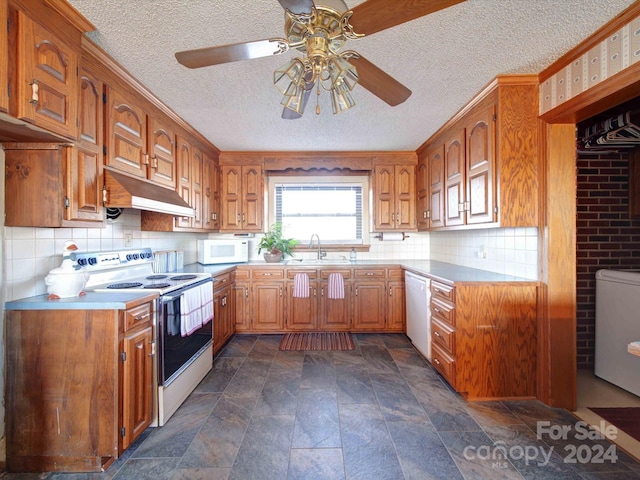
{"points": [[353, 256]]}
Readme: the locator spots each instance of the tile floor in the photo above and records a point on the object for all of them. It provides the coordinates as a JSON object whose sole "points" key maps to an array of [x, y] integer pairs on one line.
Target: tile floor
{"points": [[377, 412]]}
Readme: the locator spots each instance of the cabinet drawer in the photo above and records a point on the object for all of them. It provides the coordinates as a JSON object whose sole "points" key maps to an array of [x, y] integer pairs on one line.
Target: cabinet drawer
{"points": [[140, 315], [395, 273], [370, 273], [243, 273], [444, 363], [268, 274], [444, 291], [443, 311], [312, 273], [443, 335], [221, 281], [345, 272]]}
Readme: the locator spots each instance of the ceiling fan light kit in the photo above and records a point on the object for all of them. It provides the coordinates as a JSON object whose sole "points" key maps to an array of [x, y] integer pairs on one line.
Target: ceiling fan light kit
{"points": [[320, 31]]}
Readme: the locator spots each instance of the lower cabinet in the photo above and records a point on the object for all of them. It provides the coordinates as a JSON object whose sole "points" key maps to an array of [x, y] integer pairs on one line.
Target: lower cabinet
{"points": [[483, 338], [267, 291], [223, 310], [301, 309], [242, 300], [79, 386], [334, 314]]}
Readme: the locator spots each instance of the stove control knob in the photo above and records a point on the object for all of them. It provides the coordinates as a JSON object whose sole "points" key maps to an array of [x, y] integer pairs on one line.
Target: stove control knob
{"points": [[136, 256], [128, 257], [92, 260], [82, 262]]}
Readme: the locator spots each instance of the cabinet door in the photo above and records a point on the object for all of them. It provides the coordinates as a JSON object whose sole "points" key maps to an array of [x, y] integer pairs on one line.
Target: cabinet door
{"points": [[183, 156], [4, 58], [396, 310], [137, 385], [267, 306], [480, 166], [210, 194], [126, 130], [253, 198], [302, 313], [231, 190], [384, 205], [242, 306], [422, 192], [369, 306], [84, 167], [196, 187], [334, 314], [405, 197], [222, 328], [162, 148], [436, 187], [47, 78], [454, 179]]}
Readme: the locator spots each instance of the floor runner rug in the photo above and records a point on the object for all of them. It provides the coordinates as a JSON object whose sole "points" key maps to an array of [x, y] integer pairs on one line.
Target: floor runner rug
{"points": [[626, 419], [317, 341]]}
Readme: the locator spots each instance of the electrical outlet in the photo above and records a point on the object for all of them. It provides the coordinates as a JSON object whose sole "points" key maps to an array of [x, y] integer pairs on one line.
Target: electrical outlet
{"points": [[128, 239], [482, 252]]}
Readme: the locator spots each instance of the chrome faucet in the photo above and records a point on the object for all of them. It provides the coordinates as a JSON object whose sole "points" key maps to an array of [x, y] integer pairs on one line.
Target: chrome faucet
{"points": [[320, 252]]}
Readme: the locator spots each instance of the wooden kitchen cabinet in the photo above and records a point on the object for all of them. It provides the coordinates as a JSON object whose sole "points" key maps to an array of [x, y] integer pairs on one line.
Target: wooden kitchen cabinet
{"points": [[334, 314], [396, 312], [394, 197], [210, 193], [162, 148], [66, 181], [4, 57], [267, 290], [242, 197], [242, 300], [45, 69], [422, 191], [79, 386], [483, 338], [301, 313], [223, 311], [490, 159], [369, 299]]}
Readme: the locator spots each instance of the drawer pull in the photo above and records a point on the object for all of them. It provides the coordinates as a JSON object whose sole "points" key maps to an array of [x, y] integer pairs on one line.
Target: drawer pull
{"points": [[35, 98], [142, 317], [370, 274], [267, 274], [437, 310], [436, 361], [437, 334]]}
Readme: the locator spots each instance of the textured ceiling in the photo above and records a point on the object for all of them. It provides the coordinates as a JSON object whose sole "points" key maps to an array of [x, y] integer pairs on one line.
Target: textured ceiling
{"points": [[444, 58]]}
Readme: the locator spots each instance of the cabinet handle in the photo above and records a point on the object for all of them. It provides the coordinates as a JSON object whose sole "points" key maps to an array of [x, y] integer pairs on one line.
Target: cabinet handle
{"points": [[356, 291], [153, 349], [322, 292], [238, 218], [437, 290], [370, 274], [267, 274], [145, 159], [398, 217], [35, 97], [390, 291], [280, 291], [437, 310], [315, 292], [437, 334], [246, 293], [142, 317], [243, 218], [393, 218], [436, 361]]}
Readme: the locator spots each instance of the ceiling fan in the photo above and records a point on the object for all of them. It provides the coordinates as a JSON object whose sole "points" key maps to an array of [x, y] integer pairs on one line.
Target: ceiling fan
{"points": [[320, 30]]}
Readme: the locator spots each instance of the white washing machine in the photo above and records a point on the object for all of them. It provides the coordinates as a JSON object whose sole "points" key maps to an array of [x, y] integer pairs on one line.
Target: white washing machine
{"points": [[418, 295], [617, 325]]}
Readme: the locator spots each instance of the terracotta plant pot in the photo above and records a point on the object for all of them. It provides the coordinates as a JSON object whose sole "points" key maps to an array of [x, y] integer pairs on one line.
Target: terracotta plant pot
{"points": [[272, 257]]}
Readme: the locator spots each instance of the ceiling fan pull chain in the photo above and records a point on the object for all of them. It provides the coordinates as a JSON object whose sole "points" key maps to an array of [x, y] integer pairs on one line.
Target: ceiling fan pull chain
{"points": [[318, 99]]}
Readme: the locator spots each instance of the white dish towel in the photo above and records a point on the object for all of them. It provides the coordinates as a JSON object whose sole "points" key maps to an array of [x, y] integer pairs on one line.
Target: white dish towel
{"points": [[206, 297], [190, 311]]}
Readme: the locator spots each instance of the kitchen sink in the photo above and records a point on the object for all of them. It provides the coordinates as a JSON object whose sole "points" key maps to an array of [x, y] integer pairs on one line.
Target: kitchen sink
{"points": [[315, 261]]}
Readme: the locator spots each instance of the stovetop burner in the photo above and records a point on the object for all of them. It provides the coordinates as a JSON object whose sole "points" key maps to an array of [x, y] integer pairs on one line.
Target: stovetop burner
{"points": [[157, 285], [125, 285], [184, 277], [156, 277]]}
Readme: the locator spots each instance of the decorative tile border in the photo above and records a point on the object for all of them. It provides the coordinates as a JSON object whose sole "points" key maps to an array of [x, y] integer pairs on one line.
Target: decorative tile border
{"points": [[614, 54]]}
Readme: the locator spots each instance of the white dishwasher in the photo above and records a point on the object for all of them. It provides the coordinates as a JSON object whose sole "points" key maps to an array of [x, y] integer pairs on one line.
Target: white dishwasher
{"points": [[418, 295], [617, 325]]}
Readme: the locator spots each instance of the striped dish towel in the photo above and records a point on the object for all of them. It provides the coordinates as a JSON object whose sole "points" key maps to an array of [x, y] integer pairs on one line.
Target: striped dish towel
{"points": [[301, 285], [336, 286]]}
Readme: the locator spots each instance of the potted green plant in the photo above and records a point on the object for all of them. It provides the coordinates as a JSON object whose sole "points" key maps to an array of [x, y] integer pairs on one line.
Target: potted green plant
{"points": [[275, 245]]}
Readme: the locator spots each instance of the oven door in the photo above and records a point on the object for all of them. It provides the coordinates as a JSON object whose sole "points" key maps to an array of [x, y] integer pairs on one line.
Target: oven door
{"points": [[177, 352]]}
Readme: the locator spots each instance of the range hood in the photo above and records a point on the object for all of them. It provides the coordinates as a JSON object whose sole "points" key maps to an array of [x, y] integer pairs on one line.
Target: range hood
{"points": [[124, 191]]}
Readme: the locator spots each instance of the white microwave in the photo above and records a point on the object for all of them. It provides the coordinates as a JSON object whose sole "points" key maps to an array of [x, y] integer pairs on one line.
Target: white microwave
{"points": [[212, 251]]}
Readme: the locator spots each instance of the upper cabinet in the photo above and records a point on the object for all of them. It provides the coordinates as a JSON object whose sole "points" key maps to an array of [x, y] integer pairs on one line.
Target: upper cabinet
{"points": [[483, 164], [126, 131], [394, 193], [422, 191], [4, 58], [242, 194], [162, 149], [210, 193], [44, 68]]}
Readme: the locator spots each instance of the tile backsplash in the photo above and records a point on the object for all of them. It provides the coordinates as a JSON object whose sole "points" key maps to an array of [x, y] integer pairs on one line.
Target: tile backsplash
{"points": [[31, 252]]}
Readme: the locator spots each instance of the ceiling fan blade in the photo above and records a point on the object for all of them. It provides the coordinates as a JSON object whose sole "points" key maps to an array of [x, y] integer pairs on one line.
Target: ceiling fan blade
{"points": [[297, 6], [204, 57], [375, 15], [378, 82]]}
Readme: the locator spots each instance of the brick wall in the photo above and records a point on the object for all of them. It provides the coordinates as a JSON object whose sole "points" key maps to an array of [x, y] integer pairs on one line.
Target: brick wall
{"points": [[606, 237]]}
